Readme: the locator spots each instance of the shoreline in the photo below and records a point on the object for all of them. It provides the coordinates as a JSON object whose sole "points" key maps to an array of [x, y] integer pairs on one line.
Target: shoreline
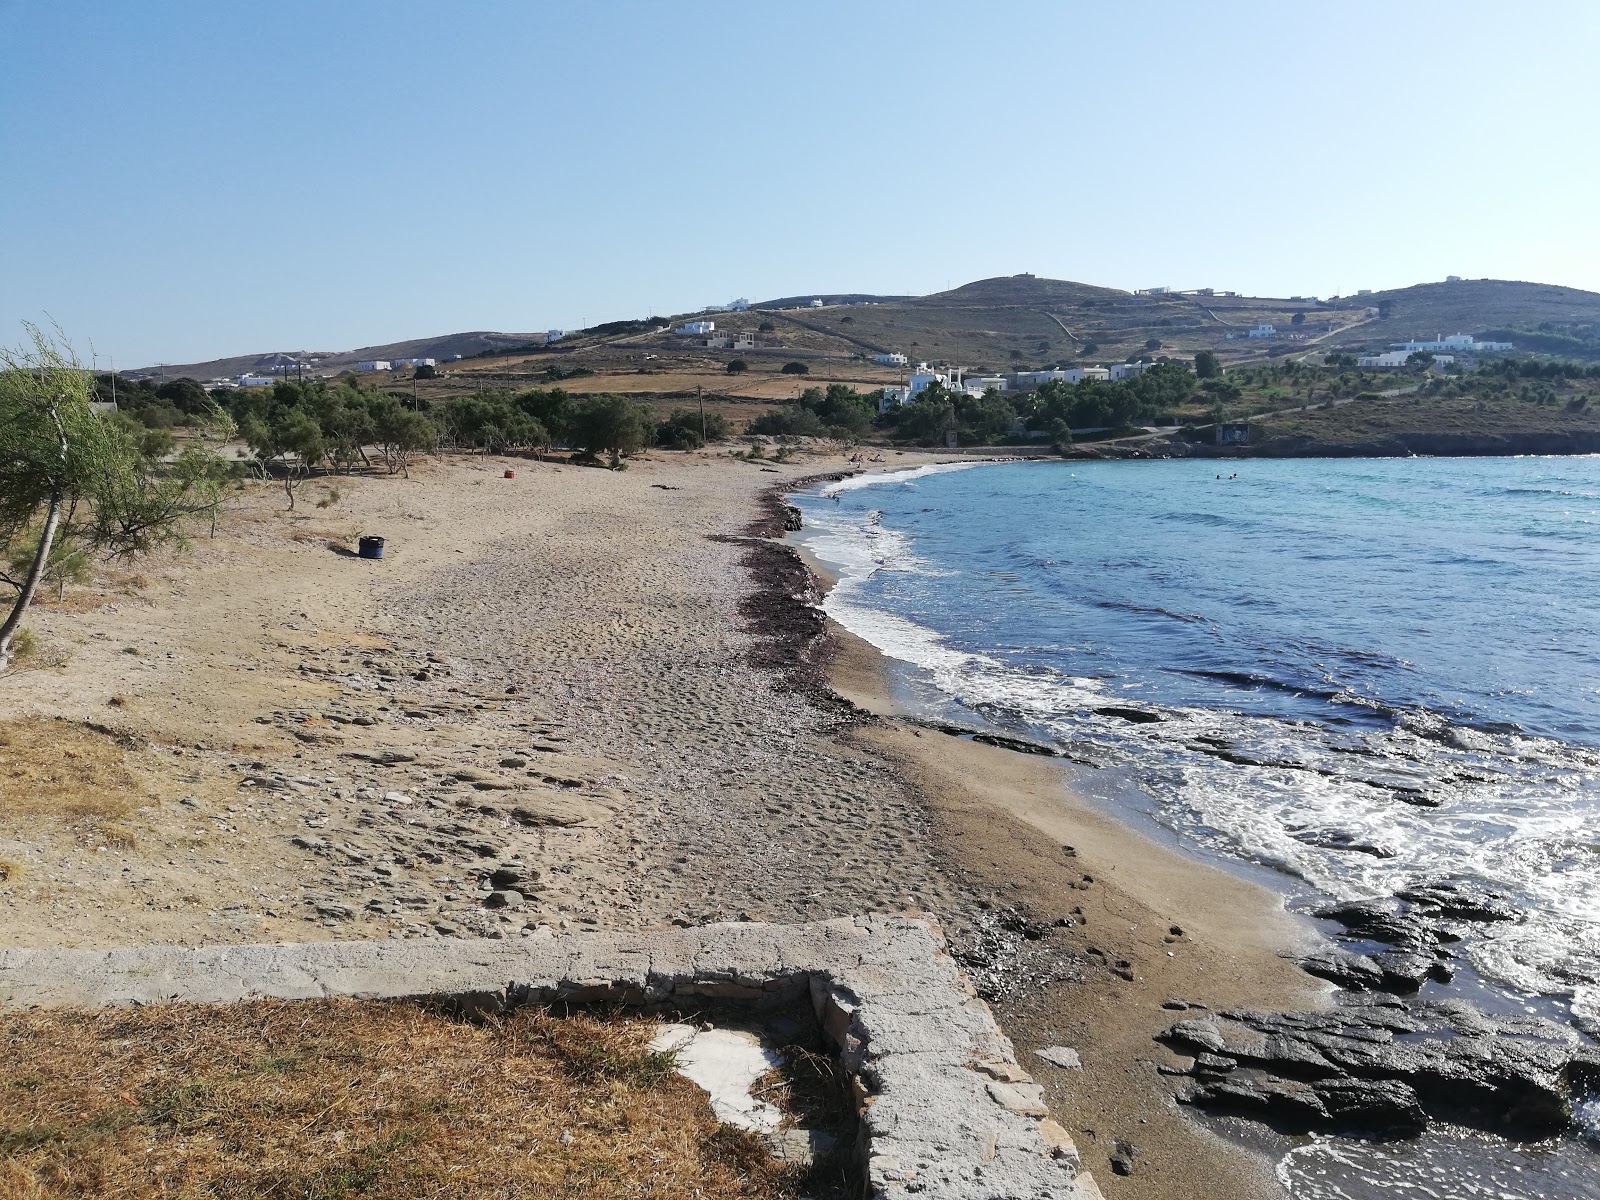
{"points": [[1097, 903]]}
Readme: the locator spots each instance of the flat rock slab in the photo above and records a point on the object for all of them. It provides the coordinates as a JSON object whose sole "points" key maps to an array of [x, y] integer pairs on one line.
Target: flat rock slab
{"points": [[907, 1024], [725, 1064], [1061, 1056]]}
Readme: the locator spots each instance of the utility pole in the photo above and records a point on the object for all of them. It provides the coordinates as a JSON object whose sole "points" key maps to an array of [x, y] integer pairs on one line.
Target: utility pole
{"points": [[700, 395]]}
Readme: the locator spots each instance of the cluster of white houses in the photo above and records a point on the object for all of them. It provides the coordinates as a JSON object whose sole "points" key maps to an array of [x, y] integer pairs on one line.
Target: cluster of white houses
{"points": [[706, 333], [955, 380], [1400, 353], [1463, 342], [390, 364]]}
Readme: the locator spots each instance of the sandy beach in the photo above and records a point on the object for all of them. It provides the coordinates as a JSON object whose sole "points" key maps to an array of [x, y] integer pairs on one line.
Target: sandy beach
{"points": [[564, 699]]}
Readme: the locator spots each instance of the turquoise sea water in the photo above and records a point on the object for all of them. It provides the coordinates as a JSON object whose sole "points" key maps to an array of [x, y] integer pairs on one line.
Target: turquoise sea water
{"points": [[1367, 673]]}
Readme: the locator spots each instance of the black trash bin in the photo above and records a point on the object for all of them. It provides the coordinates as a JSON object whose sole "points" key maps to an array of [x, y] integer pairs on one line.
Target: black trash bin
{"points": [[372, 547]]}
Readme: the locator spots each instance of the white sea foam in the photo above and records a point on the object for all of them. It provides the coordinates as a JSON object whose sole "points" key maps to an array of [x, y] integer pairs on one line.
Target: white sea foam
{"points": [[1510, 808], [908, 475]]}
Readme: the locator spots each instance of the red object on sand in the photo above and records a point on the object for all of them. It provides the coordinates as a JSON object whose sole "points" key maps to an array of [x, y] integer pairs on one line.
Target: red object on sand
{"points": [[511, 474]]}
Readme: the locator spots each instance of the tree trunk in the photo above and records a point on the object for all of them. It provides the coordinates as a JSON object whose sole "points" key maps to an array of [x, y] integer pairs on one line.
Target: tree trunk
{"points": [[288, 488], [8, 630]]}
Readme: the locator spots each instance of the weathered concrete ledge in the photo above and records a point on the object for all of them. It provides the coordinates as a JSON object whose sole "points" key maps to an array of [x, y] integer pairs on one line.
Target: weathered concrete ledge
{"points": [[945, 1109]]}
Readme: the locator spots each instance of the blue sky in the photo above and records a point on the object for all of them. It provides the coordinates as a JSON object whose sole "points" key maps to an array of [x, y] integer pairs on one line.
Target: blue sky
{"points": [[183, 180]]}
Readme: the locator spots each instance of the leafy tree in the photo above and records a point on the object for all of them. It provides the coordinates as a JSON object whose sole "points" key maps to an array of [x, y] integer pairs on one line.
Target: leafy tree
{"points": [[1419, 358], [344, 418], [795, 368], [789, 420], [611, 424], [765, 327], [683, 429], [1207, 365], [1153, 344], [424, 371], [929, 417], [492, 422], [1298, 319], [841, 408], [738, 367], [186, 395], [401, 433], [290, 437], [552, 408], [68, 476]]}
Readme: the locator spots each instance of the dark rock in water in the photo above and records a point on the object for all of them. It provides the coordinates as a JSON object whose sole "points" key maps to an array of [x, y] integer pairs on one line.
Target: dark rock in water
{"points": [[1138, 716], [1354, 971], [1377, 921], [1405, 970], [1345, 1070], [1462, 900], [1380, 1106], [1338, 839], [1017, 744]]}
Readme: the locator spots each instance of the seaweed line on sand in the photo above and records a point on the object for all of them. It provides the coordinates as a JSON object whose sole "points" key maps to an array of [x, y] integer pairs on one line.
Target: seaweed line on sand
{"points": [[782, 609]]}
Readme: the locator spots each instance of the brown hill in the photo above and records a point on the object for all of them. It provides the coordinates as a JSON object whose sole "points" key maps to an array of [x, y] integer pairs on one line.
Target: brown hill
{"points": [[1472, 306], [1023, 321]]}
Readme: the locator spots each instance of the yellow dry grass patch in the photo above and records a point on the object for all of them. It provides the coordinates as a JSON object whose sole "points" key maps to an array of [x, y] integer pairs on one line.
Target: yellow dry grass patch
{"points": [[56, 769], [321, 1100]]}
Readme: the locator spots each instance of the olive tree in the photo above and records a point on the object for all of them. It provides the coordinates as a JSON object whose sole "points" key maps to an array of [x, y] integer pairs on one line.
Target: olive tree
{"points": [[69, 477]]}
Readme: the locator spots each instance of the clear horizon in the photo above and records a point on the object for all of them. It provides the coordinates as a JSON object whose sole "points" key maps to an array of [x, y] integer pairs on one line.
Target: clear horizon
{"points": [[191, 182]]}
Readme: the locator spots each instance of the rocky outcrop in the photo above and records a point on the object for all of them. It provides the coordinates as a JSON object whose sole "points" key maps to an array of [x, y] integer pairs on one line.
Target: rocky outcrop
{"points": [[1382, 1067], [1415, 926]]}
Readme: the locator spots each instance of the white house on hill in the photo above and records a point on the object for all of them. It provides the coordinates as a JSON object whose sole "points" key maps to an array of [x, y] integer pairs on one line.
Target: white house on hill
{"points": [[1263, 331], [1398, 358], [889, 360], [1456, 341], [374, 364], [695, 328]]}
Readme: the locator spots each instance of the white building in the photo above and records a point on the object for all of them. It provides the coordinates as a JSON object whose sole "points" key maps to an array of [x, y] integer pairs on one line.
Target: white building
{"points": [[979, 384], [255, 381], [739, 305], [1026, 380], [1129, 370], [893, 397], [1263, 331], [1397, 358], [1456, 341], [415, 362], [889, 360], [1155, 291], [816, 304], [925, 377], [695, 328], [374, 364], [554, 335]]}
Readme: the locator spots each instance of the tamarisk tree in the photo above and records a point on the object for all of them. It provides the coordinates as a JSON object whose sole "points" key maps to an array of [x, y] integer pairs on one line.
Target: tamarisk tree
{"points": [[70, 477]]}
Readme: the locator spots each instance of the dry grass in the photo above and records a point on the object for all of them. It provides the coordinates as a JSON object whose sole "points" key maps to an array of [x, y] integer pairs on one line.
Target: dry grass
{"points": [[332, 1099], [50, 768]]}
